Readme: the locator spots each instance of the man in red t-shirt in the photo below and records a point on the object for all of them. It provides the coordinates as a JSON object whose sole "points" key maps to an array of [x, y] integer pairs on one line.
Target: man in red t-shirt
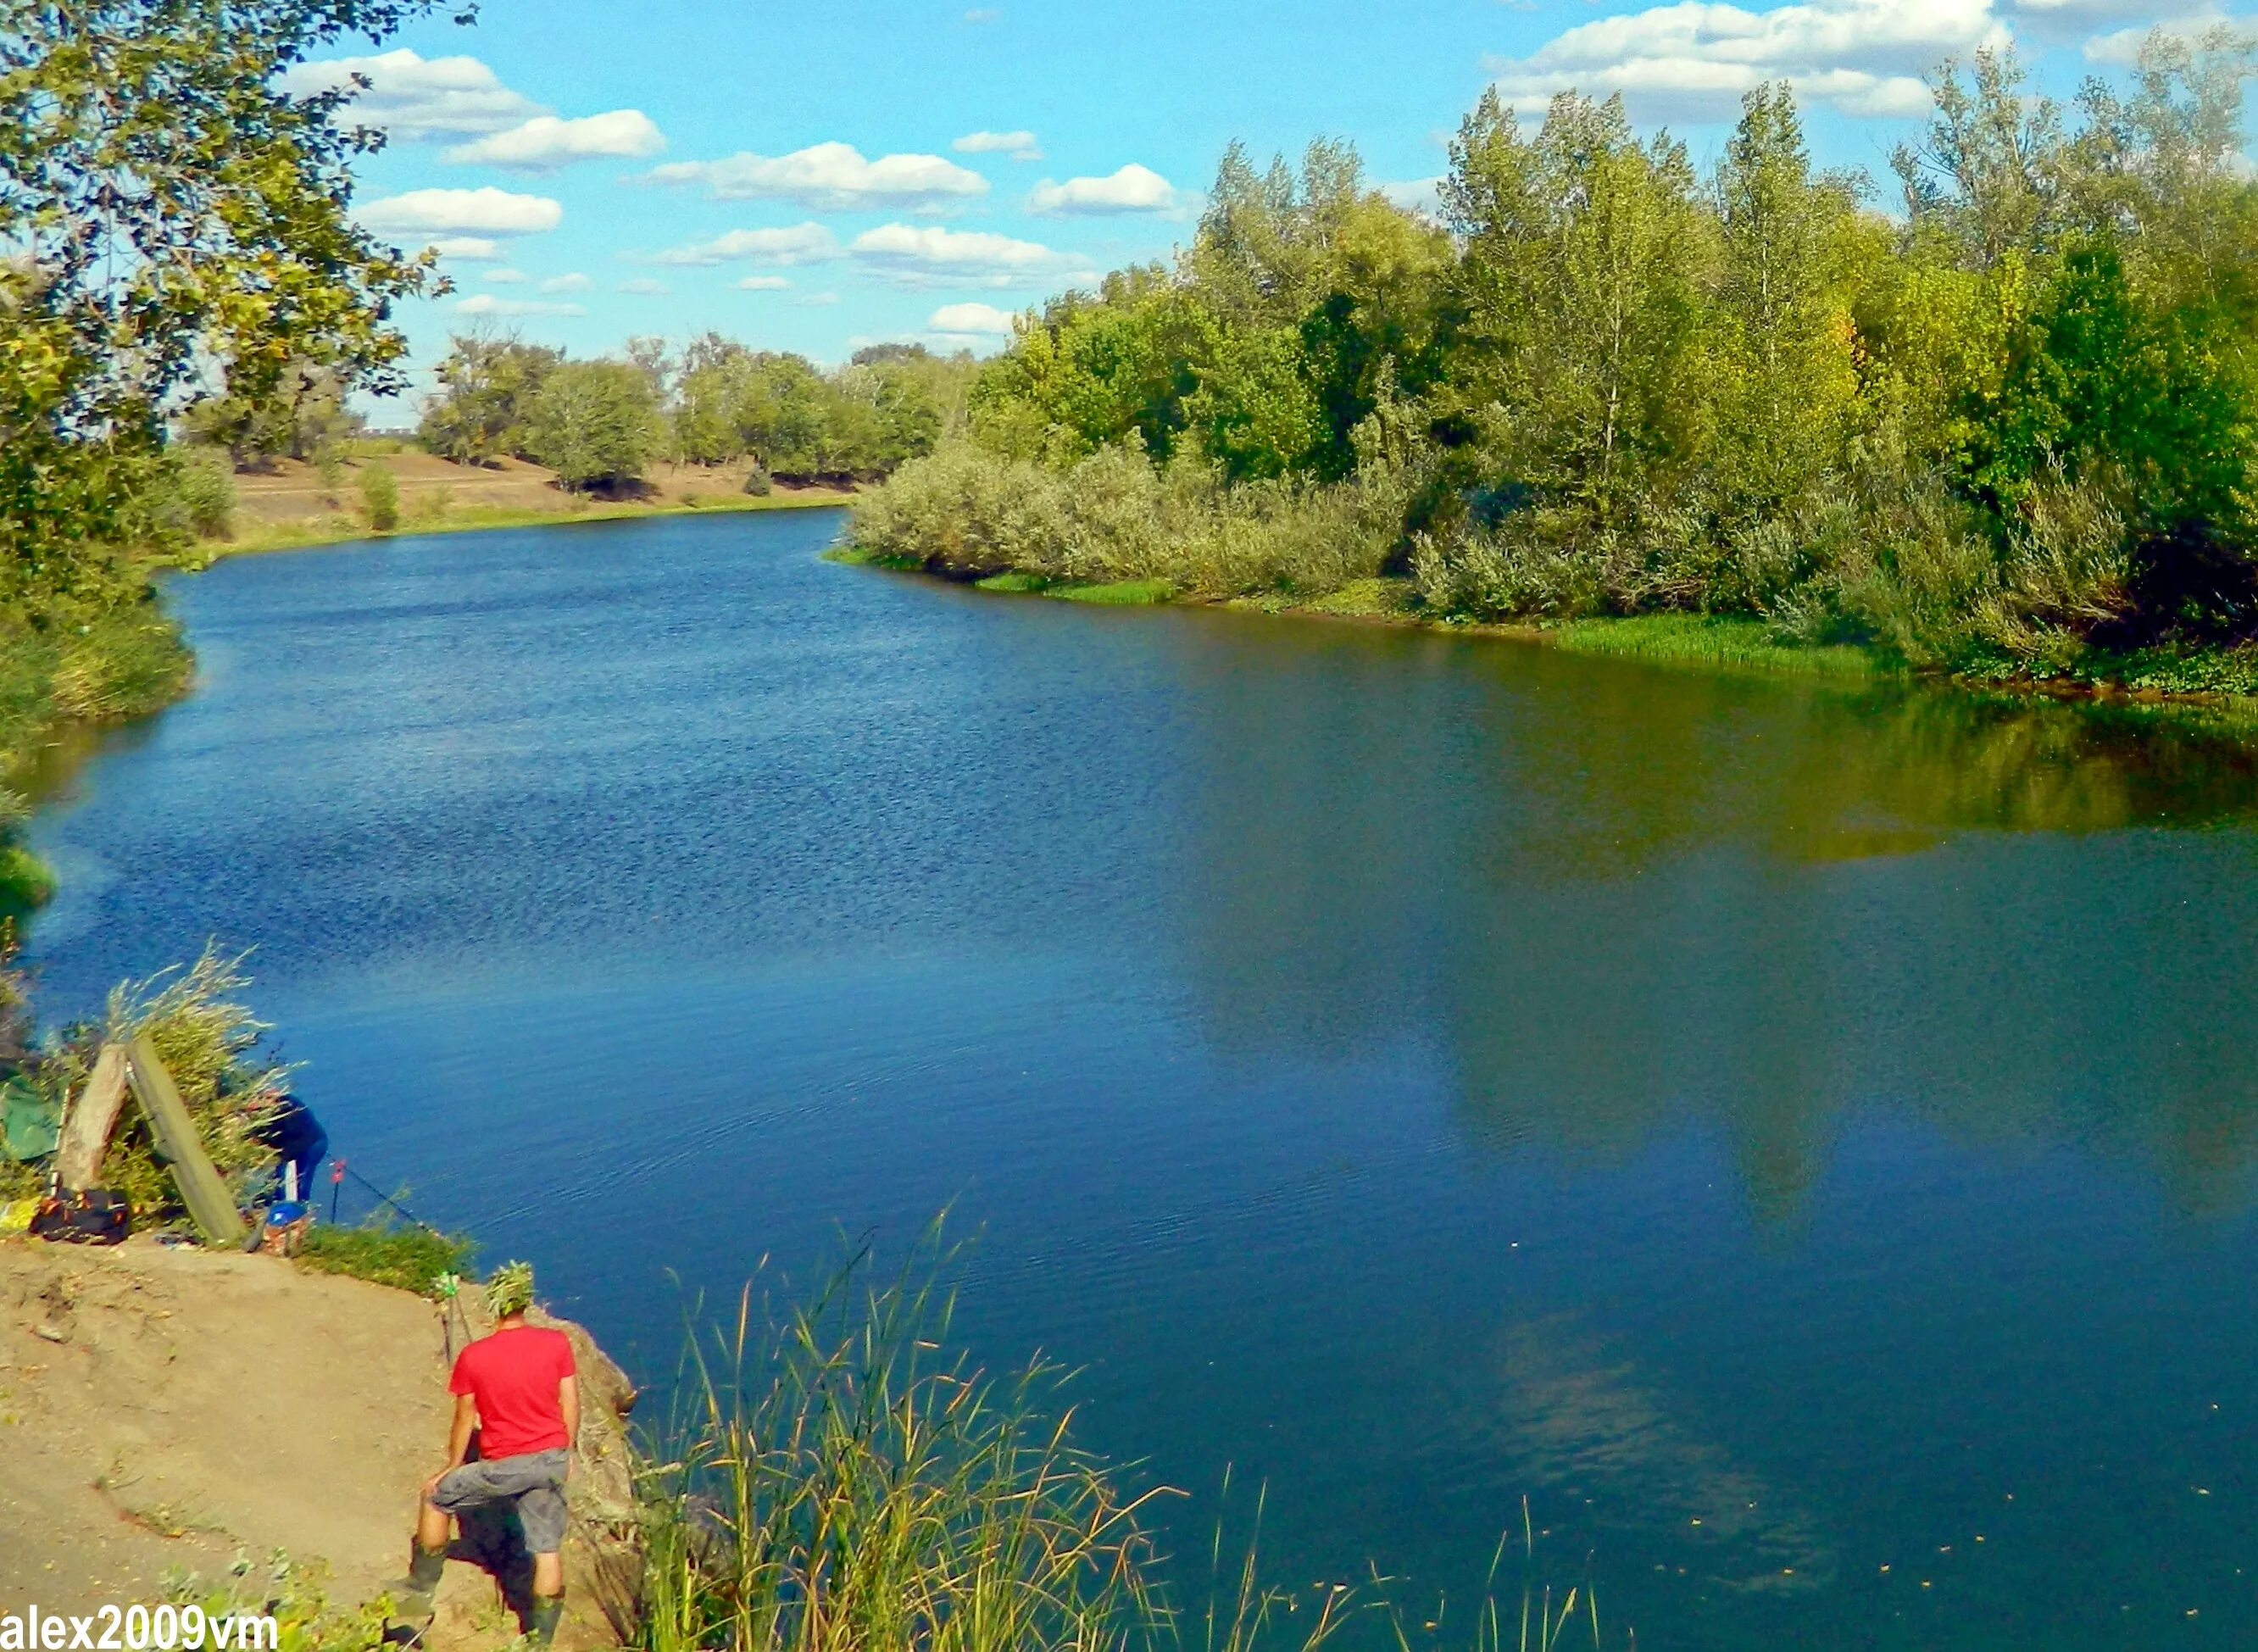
{"points": [[518, 1388]]}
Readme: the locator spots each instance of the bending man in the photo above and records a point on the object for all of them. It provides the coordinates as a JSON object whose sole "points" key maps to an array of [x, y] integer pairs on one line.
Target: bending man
{"points": [[519, 1389]]}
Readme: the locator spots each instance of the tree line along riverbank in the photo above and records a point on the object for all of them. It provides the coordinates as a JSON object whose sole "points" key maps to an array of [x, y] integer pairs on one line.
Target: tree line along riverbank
{"points": [[2004, 434]]}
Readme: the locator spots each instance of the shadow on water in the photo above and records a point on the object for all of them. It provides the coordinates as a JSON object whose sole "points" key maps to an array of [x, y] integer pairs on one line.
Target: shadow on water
{"points": [[1625, 898]]}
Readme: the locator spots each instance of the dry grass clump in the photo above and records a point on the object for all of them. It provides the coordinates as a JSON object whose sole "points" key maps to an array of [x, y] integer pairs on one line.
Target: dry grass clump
{"points": [[208, 1042]]}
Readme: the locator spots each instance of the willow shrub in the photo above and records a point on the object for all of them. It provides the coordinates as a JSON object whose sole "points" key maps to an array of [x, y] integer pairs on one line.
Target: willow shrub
{"points": [[209, 1043], [1114, 515]]}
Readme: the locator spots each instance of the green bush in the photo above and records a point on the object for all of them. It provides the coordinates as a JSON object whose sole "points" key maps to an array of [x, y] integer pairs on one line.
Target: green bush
{"points": [[758, 483], [208, 1042], [379, 495], [207, 490], [1115, 517], [26, 883], [407, 1258]]}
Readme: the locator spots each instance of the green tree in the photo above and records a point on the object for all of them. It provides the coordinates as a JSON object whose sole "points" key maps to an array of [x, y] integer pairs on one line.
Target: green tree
{"points": [[485, 385], [778, 411], [704, 414], [305, 418], [1783, 363], [1988, 173], [379, 495], [595, 423], [1586, 258], [166, 200]]}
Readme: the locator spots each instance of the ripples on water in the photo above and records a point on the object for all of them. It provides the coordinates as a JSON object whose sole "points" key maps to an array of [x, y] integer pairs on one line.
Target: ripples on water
{"points": [[1417, 1071]]}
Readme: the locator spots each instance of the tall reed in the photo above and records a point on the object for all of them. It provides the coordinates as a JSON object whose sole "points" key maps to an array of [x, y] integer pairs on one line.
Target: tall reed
{"points": [[833, 1479]]}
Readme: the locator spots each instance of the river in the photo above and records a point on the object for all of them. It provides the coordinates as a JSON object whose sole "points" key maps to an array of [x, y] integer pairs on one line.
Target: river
{"points": [[1801, 1138]]}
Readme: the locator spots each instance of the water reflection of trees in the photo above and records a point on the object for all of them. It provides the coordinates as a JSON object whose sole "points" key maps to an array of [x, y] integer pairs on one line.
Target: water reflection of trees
{"points": [[1614, 897]]}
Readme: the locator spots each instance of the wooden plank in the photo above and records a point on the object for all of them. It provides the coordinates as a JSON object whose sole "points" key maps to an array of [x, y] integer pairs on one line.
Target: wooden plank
{"points": [[201, 1190], [92, 1117]]}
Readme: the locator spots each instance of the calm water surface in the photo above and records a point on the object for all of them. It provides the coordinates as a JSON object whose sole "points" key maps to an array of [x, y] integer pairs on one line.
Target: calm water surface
{"points": [[1802, 1138]]}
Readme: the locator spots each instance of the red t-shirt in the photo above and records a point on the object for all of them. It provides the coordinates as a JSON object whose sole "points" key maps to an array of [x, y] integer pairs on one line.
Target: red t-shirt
{"points": [[512, 1376]]}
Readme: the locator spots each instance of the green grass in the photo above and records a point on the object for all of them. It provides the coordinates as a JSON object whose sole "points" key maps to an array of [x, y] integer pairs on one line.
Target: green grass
{"points": [[113, 664], [855, 556], [1378, 599], [407, 1258], [1123, 594], [1014, 582], [1712, 643]]}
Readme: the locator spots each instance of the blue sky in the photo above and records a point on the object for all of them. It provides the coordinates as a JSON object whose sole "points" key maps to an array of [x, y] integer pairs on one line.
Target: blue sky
{"points": [[817, 176]]}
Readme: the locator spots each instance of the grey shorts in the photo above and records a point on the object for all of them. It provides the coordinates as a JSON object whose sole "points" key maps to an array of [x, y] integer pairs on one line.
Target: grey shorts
{"points": [[535, 1482]]}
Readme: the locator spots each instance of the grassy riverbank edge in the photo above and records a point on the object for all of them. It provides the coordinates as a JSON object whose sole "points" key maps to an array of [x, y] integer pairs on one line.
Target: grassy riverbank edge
{"points": [[2179, 687], [344, 529]]}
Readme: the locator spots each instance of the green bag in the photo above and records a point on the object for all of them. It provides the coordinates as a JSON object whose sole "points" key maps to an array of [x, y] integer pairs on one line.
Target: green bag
{"points": [[30, 1124]]}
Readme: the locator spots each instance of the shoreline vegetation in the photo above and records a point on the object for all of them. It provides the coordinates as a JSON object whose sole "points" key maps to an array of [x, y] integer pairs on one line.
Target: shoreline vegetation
{"points": [[1706, 642], [2007, 437]]}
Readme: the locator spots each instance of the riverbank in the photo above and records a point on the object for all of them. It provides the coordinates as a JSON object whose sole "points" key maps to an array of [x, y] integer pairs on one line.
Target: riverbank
{"points": [[107, 667], [175, 1414], [282, 512], [2215, 687]]}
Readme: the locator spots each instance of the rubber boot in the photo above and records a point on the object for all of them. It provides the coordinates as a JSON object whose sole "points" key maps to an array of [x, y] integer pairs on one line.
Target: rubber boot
{"points": [[411, 1596], [541, 1620]]}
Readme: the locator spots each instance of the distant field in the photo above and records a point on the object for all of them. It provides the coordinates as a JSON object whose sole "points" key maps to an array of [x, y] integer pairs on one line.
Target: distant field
{"points": [[289, 499]]}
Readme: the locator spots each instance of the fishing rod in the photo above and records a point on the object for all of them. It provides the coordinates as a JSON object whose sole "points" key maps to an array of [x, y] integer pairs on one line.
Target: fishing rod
{"points": [[339, 1169], [448, 1286]]}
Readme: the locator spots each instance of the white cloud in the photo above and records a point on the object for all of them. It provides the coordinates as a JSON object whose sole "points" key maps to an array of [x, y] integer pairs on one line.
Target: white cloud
{"points": [[1134, 189], [817, 301], [2089, 12], [802, 243], [834, 177], [467, 249], [416, 98], [932, 255], [484, 212], [763, 284], [1417, 194], [979, 320], [1018, 145], [643, 287], [984, 14], [503, 278], [575, 282], [2123, 45], [545, 143], [1693, 61], [487, 304]]}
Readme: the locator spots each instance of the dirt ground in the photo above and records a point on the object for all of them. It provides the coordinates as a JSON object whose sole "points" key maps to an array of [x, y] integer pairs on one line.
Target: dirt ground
{"points": [[170, 1410], [292, 495]]}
